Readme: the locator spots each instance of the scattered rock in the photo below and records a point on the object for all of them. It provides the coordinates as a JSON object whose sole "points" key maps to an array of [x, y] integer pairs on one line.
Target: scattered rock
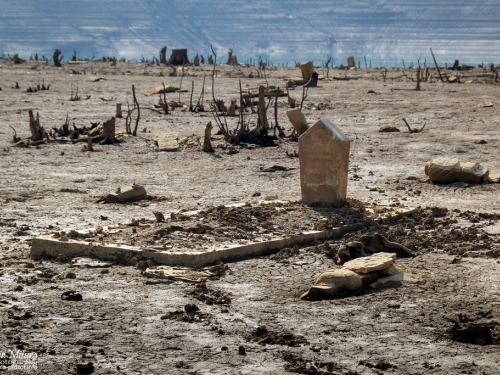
{"points": [[377, 243], [351, 250], [242, 350], [479, 334], [277, 336], [388, 129], [71, 296], [85, 368], [177, 273]]}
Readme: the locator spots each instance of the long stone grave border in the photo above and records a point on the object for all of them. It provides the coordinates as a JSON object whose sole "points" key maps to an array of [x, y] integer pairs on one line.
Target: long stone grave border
{"points": [[46, 246]]}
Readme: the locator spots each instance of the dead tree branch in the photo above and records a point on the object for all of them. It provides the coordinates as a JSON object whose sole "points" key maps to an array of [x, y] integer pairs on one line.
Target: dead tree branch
{"points": [[136, 105], [437, 67], [413, 130]]}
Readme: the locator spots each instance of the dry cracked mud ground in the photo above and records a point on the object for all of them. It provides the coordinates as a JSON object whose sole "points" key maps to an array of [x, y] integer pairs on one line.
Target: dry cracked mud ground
{"points": [[249, 319]]}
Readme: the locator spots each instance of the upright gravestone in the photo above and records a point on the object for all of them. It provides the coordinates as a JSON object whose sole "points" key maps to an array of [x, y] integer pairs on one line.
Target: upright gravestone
{"points": [[307, 71], [324, 163], [350, 62]]}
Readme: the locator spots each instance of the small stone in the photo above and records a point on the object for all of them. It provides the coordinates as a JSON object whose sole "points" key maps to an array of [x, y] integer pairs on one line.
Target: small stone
{"points": [[224, 348], [104, 272], [388, 129], [18, 288], [134, 261], [71, 275], [242, 350]]}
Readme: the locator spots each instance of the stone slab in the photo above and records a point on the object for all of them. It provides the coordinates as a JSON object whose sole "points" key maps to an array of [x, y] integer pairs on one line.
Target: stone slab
{"points": [[177, 273], [166, 142], [298, 120], [307, 71], [376, 262]]}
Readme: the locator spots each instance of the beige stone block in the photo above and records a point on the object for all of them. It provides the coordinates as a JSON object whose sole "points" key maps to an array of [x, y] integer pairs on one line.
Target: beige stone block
{"points": [[333, 283], [127, 194], [324, 163], [307, 71], [376, 262], [448, 170], [298, 120], [166, 142]]}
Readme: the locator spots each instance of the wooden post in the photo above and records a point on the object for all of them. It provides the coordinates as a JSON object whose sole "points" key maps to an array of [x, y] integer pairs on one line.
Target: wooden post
{"points": [[108, 132], [418, 78], [262, 123], [207, 145], [119, 110], [89, 144]]}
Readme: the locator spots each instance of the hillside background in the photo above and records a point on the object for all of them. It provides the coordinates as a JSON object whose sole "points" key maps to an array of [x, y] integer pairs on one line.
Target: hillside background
{"points": [[283, 31]]}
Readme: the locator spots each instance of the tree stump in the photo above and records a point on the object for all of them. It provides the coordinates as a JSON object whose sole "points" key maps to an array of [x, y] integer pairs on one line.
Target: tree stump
{"points": [[89, 144], [37, 131], [108, 132], [313, 82], [163, 55], [196, 60], [178, 57], [57, 60], [207, 144], [231, 111]]}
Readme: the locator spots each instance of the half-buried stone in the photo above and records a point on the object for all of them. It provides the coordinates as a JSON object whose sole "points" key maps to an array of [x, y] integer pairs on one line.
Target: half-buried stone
{"points": [[351, 279], [334, 284]]}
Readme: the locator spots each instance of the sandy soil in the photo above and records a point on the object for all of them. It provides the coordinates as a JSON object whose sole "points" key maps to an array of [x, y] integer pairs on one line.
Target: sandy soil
{"points": [[250, 319]]}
